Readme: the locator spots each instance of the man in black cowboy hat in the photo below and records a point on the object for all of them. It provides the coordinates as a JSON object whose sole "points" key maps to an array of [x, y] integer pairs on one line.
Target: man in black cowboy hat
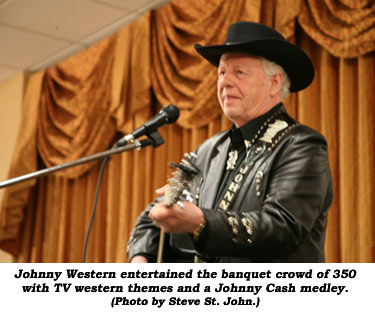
{"points": [[264, 186]]}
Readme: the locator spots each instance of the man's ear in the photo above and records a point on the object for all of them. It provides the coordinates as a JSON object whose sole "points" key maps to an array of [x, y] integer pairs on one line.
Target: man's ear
{"points": [[276, 80]]}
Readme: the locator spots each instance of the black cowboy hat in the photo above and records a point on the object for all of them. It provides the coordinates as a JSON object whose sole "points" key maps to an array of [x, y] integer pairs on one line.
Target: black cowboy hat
{"points": [[261, 40]]}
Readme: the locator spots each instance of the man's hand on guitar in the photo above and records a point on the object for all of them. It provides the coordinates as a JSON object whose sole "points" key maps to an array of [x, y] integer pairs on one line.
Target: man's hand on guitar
{"points": [[175, 219], [139, 259]]}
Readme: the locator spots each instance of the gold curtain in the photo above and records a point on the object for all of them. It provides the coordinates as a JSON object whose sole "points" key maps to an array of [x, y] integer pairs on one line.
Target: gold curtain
{"points": [[79, 106], [178, 73]]}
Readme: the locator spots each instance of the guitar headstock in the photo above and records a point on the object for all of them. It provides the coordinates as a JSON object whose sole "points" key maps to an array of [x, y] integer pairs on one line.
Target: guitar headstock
{"points": [[181, 178]]}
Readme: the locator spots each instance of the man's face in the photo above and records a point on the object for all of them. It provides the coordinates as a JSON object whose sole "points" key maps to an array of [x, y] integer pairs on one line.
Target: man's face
{"points": [[244, 90]]}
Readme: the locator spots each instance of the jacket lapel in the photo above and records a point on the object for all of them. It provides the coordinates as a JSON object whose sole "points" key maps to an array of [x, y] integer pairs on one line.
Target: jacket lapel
{"points": [[213, 176]]}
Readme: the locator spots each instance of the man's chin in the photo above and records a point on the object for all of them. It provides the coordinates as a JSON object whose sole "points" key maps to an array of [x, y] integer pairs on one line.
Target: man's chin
{"points": [[232, 116], [230, 112]]}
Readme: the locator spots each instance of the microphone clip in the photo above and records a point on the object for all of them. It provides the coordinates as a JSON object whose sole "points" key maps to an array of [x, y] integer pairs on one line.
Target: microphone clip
{"points": [[154, 139]]}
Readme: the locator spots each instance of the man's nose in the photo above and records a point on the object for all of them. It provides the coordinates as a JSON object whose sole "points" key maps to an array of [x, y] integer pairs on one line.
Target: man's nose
{"points": [[226, 80]]}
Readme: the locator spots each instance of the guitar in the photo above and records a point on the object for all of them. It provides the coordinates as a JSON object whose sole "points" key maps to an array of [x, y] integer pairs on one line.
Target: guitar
{"points": [[179, 189]]}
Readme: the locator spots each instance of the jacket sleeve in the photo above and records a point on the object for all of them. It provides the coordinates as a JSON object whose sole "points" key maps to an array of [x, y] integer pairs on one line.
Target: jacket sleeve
{"points": [[144, 241], [144, 238], [297, 193]]}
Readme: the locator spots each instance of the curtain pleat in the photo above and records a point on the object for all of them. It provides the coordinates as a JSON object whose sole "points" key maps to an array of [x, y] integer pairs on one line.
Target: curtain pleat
{"points": [[81, 106], [366, 158], [329, 85]]}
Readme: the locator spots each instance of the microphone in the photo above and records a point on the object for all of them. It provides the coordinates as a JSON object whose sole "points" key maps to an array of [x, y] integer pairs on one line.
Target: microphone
{"points": [[168, 114]]}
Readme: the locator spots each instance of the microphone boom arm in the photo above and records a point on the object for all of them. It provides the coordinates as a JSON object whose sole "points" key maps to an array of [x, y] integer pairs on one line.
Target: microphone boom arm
{"points": [[113, 151]]}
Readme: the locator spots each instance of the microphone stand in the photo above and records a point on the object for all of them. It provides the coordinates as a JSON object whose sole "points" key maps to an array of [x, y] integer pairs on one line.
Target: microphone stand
{"points": [[154, 139]]}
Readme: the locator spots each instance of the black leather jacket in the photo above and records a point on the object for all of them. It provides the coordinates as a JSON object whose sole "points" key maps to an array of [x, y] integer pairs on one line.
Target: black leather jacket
{"points": [[279, 213]]}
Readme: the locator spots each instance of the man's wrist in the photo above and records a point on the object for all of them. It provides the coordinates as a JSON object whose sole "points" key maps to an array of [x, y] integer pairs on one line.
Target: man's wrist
{"points": [[199, 229]]}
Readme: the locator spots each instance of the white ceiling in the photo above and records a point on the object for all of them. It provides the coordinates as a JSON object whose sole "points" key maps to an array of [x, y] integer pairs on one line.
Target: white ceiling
{"points": [[35, 34]]}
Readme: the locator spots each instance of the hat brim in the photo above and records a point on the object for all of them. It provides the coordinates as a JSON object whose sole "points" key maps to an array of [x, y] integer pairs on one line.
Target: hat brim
{"points": [[291, 58]]}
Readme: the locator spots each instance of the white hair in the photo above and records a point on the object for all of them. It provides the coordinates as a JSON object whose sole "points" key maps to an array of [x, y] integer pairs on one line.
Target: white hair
{"points": [[272, 68]]}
